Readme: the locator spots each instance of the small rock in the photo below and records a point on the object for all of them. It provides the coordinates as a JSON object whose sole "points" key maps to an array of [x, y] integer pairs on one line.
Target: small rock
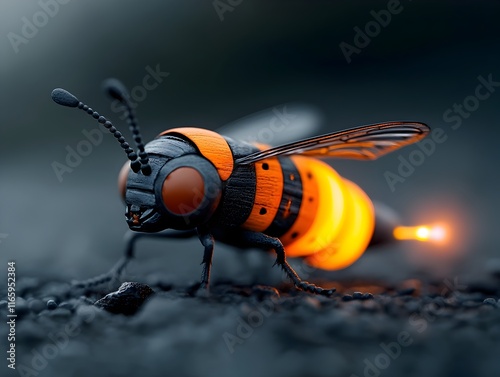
{"points": [[347, 298], [490, 301], [263, 292], [357, 295], [127, 300], [367, 296], [51, 305]]}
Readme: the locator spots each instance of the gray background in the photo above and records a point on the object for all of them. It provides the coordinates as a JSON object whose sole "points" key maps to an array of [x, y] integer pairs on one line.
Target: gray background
{"points": [[262, 54]]}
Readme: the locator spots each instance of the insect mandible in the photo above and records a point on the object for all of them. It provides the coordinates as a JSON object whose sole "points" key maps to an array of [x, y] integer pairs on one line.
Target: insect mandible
{"points": [[274, 198]]}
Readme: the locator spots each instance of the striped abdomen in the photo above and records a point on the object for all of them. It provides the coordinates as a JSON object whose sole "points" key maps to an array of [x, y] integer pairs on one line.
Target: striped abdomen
{"points": [[311, 209]]}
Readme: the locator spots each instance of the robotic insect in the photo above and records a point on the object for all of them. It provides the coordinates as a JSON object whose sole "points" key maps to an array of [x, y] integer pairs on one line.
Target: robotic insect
{"points": [[282, 198]]}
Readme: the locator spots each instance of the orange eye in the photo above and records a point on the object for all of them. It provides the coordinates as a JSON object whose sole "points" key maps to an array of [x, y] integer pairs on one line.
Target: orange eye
{"points": [[122, 179], [183, 190]]}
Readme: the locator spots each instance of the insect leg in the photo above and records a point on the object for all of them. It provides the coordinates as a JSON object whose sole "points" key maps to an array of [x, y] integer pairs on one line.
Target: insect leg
{"points": [[263, 241], [117, 270], [207, 240]]}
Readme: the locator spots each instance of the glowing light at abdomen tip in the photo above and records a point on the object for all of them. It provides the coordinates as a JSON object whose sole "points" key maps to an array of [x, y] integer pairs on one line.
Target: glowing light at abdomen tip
{"points": [[424, 233]]}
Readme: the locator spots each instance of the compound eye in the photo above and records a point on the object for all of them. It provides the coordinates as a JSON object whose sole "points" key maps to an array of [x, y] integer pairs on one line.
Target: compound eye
{"points": [[122, 179], [183, 190]]}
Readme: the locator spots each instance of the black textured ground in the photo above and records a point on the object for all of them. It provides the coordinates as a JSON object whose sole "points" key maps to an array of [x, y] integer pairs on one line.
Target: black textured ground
{"points": [[412, 328]]}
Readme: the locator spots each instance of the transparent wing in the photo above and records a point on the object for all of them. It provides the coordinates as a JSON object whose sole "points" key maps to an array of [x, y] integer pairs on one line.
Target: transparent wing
{"points": [[274, 126], [361, 143]]}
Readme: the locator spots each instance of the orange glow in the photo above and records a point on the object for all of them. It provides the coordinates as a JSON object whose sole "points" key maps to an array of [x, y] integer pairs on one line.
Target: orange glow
{"points": [[353, 239], [424, 233], [342, 225]]}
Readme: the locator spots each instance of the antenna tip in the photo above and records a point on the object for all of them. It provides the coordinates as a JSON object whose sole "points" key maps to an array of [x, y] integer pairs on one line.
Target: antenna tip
{"points": [[64, 98], [115, 89]]}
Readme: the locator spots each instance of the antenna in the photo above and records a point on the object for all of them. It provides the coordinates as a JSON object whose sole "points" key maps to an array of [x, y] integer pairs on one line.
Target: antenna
{"points": [[64, 98], [118, 91]]}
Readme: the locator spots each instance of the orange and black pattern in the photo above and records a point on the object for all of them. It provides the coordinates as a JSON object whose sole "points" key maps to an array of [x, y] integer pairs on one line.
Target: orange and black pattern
{"points": [[298, 199]]}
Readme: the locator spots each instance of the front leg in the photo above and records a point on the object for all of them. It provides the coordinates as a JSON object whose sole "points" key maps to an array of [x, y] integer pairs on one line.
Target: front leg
{"points": [[118, 269], [263, 241], [207, 240]]}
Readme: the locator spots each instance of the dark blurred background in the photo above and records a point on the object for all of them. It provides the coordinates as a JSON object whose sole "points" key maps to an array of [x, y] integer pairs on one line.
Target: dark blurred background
{"points": [[223, 66]]}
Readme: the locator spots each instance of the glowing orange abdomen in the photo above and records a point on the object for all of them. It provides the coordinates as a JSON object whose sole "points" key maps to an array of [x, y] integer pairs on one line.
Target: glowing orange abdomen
{"points": [[335, 220], [339, 231]]}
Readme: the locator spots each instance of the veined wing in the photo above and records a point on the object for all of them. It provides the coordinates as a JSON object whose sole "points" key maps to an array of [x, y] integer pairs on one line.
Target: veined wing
{"points": [[361, 143]]}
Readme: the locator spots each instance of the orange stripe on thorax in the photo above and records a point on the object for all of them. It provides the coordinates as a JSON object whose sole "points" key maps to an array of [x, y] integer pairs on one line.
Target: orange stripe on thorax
{"points": [[269, 189], [211, 145]]}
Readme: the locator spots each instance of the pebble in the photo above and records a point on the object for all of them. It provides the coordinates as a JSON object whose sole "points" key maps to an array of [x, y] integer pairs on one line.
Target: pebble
{"points": [[490, 301], [367, 296], [264, 292], [347, 298], [51, 305], [127, 300]]}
